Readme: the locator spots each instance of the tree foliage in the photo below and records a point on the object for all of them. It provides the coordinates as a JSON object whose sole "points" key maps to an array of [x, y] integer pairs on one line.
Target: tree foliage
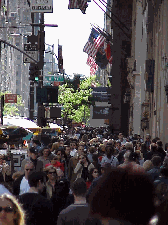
{"points": [[76, 105], [12, 109]]}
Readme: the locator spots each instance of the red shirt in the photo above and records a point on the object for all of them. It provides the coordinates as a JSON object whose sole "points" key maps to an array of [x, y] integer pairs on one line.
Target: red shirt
{"points": [[57, 164], [88, 183]]}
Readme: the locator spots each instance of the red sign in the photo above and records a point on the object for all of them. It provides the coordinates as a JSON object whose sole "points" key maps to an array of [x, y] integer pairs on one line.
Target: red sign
{"points": [[56, 83], [10, 98]]}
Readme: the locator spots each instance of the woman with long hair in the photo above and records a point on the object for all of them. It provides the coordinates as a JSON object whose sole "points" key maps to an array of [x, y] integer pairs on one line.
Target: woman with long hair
{"points": [[11, 212], [83, 167], [94, 173], [52, 179]]}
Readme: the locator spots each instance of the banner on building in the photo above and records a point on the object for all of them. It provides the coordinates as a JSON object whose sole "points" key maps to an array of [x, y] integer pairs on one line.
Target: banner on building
{"points": [[41, 6]]}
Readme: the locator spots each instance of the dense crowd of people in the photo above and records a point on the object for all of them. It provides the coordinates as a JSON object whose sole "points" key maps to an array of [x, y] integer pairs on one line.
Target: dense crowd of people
{"points": [[87, 176]]}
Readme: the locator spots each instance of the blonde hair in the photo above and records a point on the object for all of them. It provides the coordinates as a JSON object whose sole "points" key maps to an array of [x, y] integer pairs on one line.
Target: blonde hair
{"points": [[147, 165], [18, 210], [50, 167], [55, 146]]}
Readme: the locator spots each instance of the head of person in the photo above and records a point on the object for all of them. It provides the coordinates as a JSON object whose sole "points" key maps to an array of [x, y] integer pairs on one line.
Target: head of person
{"points": [[35, 143], [147, 165], [105, 167], [80, 150], [92, 149], [126, 156], [28, 169], [79, 188], [55, 146], [159, 143], [37, 180], [144, 148], [129, 146], [67, 150], [153, 147], [46, 151], [133, 157], [51, 173], [147, 137], [73, 145], [11, 212], [120, 136], [109, 150], [138, 146], [58, 153], [83, 158], [118, 187], [93, 173], [156, 161], [118, 144], [33, 153], [61, 142]]}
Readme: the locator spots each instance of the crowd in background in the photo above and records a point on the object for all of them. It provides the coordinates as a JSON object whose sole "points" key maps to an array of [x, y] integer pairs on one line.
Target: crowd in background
{"points": [[114, 179]]}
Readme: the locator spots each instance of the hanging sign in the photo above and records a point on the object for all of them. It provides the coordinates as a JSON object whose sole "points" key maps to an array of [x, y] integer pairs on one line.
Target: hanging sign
{"points": [[32, 50], [41, 6]]}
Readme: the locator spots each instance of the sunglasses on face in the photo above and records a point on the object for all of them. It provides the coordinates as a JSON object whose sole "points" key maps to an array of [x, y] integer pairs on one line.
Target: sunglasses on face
{"points": [[95, 172], [81, 158], [6, 209], [51, 172], [29, 169]]}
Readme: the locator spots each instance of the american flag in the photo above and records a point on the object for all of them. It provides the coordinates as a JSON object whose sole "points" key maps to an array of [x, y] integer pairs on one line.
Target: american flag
{"points": [[92, 64], [73, 4], [94, 42], [78, 4]]}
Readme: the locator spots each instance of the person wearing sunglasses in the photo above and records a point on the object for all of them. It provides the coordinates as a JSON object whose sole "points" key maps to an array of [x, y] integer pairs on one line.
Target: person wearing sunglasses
{"points": [[11, 212], [94, 173], [83, 167], [52, 178], [21, 184]]}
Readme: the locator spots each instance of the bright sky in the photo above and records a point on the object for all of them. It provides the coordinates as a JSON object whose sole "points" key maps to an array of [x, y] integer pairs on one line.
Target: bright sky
{"points": [[73, 31]]}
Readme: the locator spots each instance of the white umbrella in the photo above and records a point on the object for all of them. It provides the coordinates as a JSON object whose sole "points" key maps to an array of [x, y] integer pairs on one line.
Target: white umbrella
{"points": [[56, 126], [19, 121]]}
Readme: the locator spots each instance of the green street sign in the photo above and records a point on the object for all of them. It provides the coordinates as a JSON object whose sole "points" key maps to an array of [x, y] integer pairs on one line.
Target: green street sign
{"points": [[54, 78]]}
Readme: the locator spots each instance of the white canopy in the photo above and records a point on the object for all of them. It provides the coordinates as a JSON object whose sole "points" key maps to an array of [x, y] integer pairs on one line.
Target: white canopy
{"points": [[53, 125], [19, 121]]}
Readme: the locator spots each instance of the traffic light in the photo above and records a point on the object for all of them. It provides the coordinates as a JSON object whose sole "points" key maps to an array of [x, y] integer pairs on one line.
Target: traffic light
{"points": [[34, 72]]}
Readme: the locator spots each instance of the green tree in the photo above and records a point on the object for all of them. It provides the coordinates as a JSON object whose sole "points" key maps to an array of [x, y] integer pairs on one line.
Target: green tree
{"points": [[12, 109], [76, 104]]}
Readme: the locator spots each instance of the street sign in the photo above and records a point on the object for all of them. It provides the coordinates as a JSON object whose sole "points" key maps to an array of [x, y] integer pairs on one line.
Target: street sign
{"points": [[32, 50], [41, 6], [100, 112], [54, 78], [100, 96], [10, 98]]}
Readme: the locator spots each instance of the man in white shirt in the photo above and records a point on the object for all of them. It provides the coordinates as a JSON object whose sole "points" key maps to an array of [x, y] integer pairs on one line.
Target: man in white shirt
{"points": [[24, 185], [21, 185], [109, 157], [73, 147]]}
